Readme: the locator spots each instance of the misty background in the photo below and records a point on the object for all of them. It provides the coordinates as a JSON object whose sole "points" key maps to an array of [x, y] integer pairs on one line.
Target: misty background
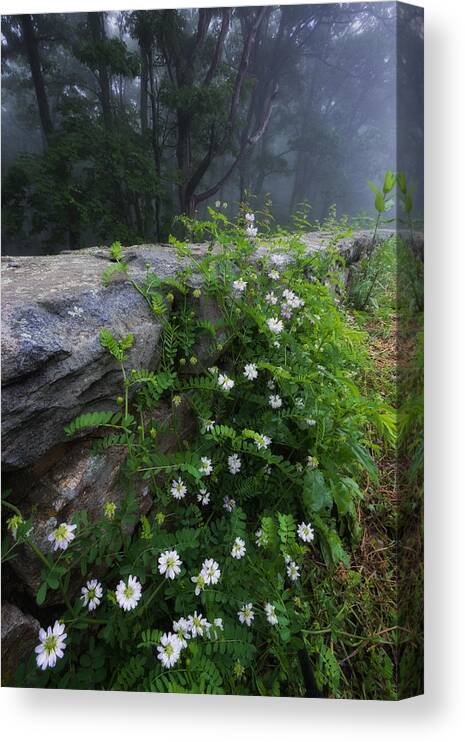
{"points": [[114, 123]]}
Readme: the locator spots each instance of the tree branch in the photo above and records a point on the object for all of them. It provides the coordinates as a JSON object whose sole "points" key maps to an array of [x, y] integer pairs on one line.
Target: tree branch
{"points": [[219, 47]]}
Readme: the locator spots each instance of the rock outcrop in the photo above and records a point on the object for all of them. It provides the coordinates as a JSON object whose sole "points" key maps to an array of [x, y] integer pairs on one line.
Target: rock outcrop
{"points": [[19, 637]]}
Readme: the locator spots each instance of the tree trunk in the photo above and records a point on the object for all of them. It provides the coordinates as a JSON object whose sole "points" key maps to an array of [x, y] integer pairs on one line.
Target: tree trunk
{"points": [[155, 141], [144, 76], [97, 29], [32, 50]]}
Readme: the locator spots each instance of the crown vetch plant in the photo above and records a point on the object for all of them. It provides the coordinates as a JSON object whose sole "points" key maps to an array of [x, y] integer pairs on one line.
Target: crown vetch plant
{"points": [[223, 584]]}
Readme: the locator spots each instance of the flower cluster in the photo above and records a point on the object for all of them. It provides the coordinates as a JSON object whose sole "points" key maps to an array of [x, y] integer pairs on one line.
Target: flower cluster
{"points": [[208, 575], [250, 229], [225, 383]]}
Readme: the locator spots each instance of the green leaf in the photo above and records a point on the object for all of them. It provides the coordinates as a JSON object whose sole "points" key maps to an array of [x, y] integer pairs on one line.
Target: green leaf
{"points": [[408, 202], [364, 459], [41, 593], [116, 251], [330, 544], [389, 182], [402, 182], [111, 270], [316, 495], [374, 188], [379, 202], [92, 420], [52, 582]]}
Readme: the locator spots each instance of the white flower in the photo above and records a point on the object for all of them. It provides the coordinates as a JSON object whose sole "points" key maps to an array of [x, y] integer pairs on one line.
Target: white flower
{"points": [[263, 441], [310, 422], [91, 594], [292, 299], [270, 611], [293, 571], [199, 582], [169, 564], [299, 402], [217, 627], [246, 614], [239, 286], [52, 644], [169, 649], [128, 594], [312, 462], [234, 464], [238, 548], [208, 426], [206, 467], [62, 536], [274, 275], [277, 344], [279, 259], [275, 401], [229, 503], [271, 298], [250, 217], [210, 571], [251, 231], [178, 489], [275, 325], [262, 539], [271, 384], [286, 311], [225, 382], [217, 204], [198, 624], [250, 371], [305, 532], [182, 628], [203, 496]]}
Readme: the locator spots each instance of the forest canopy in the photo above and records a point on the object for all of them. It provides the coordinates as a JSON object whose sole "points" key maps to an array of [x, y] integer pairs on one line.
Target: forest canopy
{"points": [[114, 123]]}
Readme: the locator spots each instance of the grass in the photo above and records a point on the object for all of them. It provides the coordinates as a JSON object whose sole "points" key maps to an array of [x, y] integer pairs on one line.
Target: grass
{"points": [[384, 585]]}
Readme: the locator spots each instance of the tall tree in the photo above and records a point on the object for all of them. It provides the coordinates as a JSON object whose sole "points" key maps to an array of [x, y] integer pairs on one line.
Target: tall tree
{"points": [[32, 50], [196, 89], [96, 23]]}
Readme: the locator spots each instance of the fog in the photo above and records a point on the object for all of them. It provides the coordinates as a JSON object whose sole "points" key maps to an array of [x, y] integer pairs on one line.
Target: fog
{"points": [[113, 124]]}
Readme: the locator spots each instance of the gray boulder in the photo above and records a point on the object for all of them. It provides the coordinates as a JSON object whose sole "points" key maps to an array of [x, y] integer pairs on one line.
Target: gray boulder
{"points": [[82, 480], [53, 367], [19, 638]]}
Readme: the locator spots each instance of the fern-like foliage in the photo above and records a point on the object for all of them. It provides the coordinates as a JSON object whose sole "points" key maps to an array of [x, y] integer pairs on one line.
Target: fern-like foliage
{"points": [[93, 420], [111, 271], [117, 348], [130, 675]]}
